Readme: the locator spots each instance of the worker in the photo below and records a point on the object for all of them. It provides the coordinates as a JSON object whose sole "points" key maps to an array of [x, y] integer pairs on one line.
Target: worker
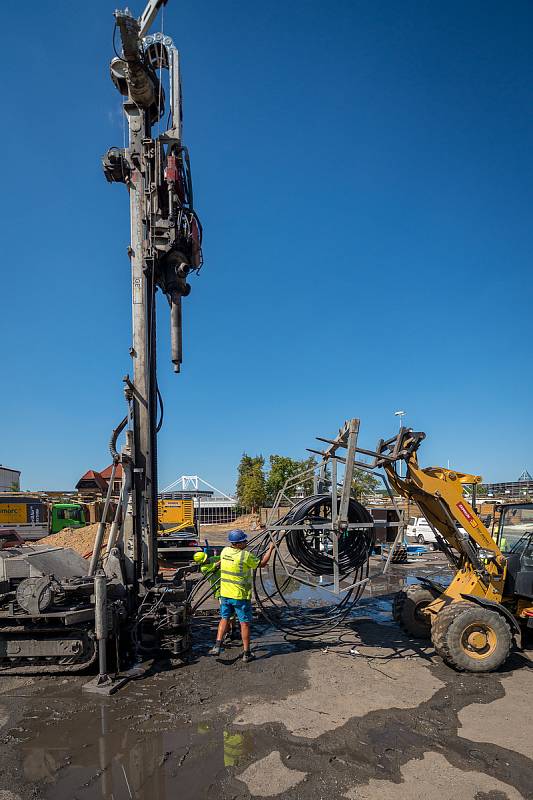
{"points": [[210, 569], [236, 567], [502, 544]]}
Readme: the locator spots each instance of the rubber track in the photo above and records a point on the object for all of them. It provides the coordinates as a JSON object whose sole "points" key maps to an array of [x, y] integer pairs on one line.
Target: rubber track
{"points": [[45, 669]]}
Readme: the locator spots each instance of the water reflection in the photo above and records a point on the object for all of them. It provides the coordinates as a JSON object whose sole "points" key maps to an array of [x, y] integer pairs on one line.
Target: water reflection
{"points": [[101, 757], [236, 744]]}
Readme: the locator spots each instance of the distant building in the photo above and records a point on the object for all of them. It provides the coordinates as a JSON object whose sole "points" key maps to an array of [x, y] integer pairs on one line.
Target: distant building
{"points": [[212, 506], [94, 483], [117, 482], [519, 489], [9, 479]]}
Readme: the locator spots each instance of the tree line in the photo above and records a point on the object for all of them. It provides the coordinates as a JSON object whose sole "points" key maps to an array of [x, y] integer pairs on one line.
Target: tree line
{"points": [[258, 485]]}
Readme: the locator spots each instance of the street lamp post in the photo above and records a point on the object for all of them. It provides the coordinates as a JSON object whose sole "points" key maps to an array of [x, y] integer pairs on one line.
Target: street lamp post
{"points": [[400, 414]]}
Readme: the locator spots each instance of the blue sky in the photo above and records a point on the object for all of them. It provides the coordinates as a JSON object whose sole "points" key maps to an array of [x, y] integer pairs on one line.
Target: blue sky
{"points": [[364, 174]]}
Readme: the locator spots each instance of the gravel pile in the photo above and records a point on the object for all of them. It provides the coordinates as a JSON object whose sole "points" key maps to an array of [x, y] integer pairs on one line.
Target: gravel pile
{"points": [[79, 539]]}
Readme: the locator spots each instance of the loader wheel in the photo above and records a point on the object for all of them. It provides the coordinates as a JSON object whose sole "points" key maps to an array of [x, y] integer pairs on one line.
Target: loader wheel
{"points": [[471, 638], [407, 610]]}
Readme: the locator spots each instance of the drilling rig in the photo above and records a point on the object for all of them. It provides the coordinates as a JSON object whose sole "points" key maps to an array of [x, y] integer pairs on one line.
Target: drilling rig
{"points": [[59, 613]]}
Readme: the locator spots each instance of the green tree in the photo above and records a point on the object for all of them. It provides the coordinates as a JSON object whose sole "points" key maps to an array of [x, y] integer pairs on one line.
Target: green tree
{"points": [[281, 469], [308, 481], [363, 483], [253, 489], [248, 465]]}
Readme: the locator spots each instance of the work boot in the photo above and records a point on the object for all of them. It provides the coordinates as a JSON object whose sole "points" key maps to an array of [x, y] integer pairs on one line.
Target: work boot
{"points": [[247, 656], [215, 650]]}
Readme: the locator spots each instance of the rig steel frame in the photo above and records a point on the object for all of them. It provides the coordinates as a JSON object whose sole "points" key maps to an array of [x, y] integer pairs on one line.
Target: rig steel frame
{"points": [[346, 440]]}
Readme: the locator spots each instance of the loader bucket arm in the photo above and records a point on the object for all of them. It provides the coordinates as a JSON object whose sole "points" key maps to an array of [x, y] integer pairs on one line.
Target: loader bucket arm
{"points": [[438, 492]]}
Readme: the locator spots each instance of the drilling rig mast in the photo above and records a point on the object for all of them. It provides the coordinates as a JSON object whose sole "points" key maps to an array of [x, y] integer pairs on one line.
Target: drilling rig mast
{"points": [[57, 612], [165, 247]]}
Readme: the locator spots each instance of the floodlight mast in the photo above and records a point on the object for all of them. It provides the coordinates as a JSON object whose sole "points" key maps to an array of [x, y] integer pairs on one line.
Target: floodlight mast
{"points": [[165, 247]]}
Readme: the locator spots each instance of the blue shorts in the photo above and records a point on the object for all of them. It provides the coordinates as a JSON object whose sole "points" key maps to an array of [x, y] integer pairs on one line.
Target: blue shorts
{"points": [[242, 608]]}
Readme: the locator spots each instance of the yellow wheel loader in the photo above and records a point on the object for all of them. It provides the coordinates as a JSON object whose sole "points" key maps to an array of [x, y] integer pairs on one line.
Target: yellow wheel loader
{"points": [[472, 621]]}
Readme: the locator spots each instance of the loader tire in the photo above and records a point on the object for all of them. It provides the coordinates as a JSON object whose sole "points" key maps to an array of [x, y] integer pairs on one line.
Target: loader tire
{"points": [[471, 638], [407, 610]]}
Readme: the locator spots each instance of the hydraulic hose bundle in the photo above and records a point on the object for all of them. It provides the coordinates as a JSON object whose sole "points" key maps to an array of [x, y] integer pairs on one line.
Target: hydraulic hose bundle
{"points": [[294, 592], [304, 545]]}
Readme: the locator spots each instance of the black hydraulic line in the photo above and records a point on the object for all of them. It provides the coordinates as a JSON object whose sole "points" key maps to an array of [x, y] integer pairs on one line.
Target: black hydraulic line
{"points": [[161, 410], [355, 546], [202, 599], [311, 622], [354, 550], [114, 436]]}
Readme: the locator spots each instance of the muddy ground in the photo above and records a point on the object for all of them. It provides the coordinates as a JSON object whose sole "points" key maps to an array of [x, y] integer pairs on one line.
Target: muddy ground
{"points": [[305, 720]]}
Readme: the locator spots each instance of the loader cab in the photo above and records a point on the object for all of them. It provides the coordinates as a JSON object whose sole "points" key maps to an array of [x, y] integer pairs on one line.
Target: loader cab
{"points": [[67, 515], [515, 540]]}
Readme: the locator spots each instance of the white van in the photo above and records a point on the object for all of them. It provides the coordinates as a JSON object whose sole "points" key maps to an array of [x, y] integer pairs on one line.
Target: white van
{"points": [[418, 529]]}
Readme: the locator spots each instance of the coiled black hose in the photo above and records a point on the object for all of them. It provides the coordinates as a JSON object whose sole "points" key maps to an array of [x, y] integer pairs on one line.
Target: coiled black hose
{"points": [[304, 545], [305, 563], [307, 558]]}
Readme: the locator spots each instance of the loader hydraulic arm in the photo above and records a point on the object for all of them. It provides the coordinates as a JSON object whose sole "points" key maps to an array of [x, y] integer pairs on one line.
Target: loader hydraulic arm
{"points": [[438, 492], [478, 564]]}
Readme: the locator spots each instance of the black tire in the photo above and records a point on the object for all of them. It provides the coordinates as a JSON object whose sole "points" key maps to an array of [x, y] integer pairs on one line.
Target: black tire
{"points": [[420, 538], [471, 638], [407, 610]]}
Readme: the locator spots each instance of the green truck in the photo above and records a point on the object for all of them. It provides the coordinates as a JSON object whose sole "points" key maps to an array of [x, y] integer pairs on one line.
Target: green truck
{"points": [[34, 517]]}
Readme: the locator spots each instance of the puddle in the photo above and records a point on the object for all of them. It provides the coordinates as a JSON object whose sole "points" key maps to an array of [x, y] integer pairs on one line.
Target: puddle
{"points": [[100, 756], [376, 602]]}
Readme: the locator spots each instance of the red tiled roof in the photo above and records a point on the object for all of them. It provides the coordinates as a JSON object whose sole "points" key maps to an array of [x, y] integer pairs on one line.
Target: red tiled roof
{"points": [[106, 473], [92, 476]]}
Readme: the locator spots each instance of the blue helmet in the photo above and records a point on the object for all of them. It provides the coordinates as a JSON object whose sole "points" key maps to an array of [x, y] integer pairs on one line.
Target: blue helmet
{"points": [[237, 536]]}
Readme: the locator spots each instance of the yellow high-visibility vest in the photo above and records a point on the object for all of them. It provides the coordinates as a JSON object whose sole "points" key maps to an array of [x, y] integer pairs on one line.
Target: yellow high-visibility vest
{"points": [[236, 573]]}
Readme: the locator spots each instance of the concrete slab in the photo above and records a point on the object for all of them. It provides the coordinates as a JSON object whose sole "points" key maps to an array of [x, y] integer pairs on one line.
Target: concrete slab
{"points": [[505, 722], [434, 778], [340, 687], [270, 776]]}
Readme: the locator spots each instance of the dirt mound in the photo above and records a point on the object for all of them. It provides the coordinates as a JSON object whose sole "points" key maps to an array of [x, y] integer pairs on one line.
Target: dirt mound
{"points": [[79, 539], [247, 522]]}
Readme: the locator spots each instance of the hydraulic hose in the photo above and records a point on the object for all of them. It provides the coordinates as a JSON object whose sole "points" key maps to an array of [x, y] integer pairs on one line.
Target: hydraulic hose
{"points": [[354, 545], [300, 558], [114, 436]]}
